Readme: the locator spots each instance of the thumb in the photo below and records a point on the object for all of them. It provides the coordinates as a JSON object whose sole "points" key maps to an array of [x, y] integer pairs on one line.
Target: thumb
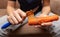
{"points": [[46, 24]]}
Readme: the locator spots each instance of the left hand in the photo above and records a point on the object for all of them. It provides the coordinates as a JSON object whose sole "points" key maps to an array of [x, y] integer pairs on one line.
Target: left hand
{"points": [[44, 24]]}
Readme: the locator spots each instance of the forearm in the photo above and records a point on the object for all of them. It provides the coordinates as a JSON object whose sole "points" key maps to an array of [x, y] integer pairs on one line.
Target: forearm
{"points": [[46, 10], [10, 7]]}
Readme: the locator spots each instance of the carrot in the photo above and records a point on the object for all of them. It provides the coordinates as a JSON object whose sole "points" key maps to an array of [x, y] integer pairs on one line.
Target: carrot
{"points": [[32, 20]]}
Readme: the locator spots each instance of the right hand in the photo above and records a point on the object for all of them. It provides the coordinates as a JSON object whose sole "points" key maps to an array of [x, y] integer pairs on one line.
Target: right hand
{"points": [[16, 17]]}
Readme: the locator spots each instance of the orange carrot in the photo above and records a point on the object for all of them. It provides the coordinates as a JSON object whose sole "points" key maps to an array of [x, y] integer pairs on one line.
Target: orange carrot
{"points": [[32, 20]]}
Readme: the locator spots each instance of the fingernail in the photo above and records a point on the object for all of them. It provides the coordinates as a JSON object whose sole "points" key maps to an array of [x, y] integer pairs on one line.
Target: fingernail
{"points": [[42, 24]]}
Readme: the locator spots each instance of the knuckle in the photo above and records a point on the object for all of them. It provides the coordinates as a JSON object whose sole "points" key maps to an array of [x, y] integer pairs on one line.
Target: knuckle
{"points": [[16, 22], [20, 20], [24, 15]]}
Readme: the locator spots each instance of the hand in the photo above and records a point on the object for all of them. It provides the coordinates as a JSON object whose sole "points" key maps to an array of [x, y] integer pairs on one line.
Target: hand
{"points": [[44, 24], [16, 17]]}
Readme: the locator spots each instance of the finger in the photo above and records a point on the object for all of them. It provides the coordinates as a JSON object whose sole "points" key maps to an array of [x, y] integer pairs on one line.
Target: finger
{"points": [[17, 16], [37, 26], [47, 24], [14, 19], [22, 13], [10, 20]]}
